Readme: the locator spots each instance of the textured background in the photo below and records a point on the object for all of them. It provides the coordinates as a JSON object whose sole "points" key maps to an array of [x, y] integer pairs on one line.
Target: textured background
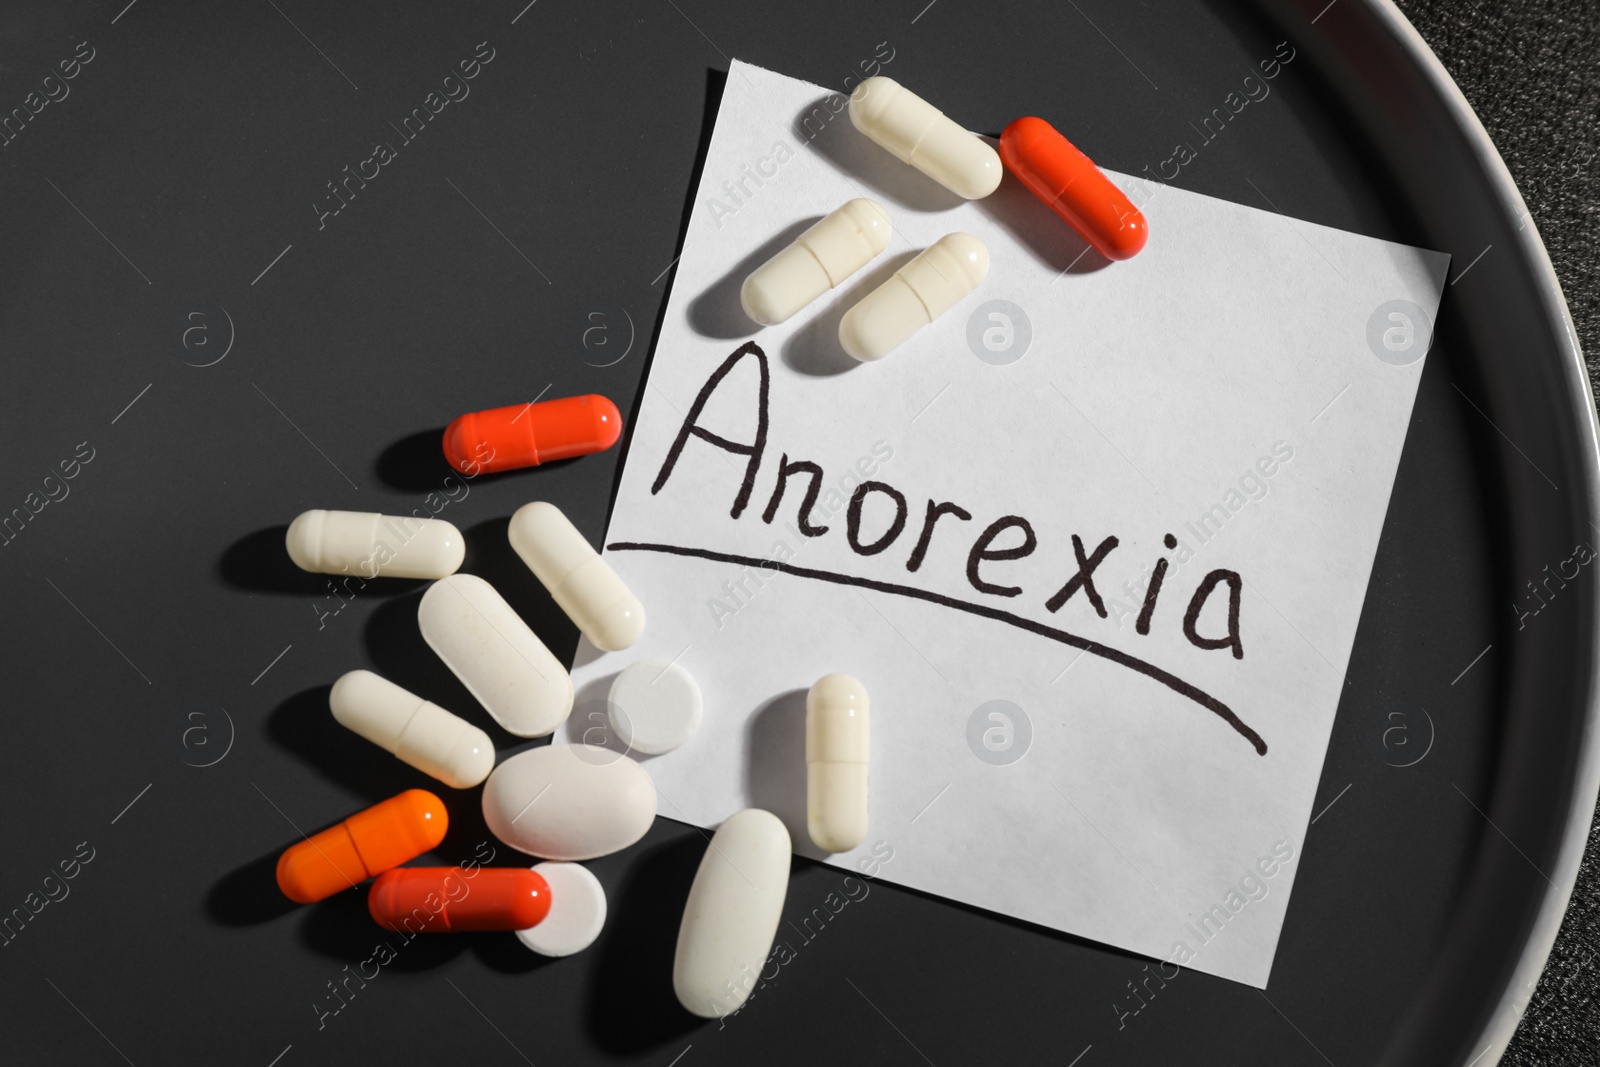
{"points": [[1532, 73], [523, 239]]}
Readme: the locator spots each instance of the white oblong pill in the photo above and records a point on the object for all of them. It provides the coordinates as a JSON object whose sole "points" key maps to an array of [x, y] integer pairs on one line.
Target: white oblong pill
{"points": [[370, 545], [654, 705], [569, 802], [732, 914], [421, 733], [916, 132], [577, 911], [919, 292], [840, 244], [500, 661], [596, 600], [837, 750]]}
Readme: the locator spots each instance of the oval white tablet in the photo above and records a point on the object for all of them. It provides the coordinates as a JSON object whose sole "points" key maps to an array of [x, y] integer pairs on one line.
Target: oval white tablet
{"points": [[500, 661], [654, 705], [732, 914], [569, 802], [577, 911]]}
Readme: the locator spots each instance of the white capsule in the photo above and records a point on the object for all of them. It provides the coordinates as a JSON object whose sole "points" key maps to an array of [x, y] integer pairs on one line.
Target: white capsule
{"points": [[654, 705], [495, 655], [820, 259], [583, 584], [916, 132], [732, 914], [577, 911], [422, 734], [919, 292], [368, 545], [837, 743]]}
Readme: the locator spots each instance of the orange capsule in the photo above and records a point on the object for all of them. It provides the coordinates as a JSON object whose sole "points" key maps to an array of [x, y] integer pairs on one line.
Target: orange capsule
{"points": [[526, 435], [367, 843], [1066, 179], [443, 900]]}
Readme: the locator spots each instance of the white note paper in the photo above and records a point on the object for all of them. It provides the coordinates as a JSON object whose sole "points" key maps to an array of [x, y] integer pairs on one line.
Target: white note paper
{"points": [[1244, 384]]}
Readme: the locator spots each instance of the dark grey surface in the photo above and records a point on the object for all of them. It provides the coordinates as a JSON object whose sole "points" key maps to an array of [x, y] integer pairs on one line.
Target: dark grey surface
{"points": [[1532, 73], [188, 156]]}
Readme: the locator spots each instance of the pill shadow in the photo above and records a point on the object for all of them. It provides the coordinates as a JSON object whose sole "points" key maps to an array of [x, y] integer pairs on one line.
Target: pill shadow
{"points": [[590, 721], [1052, 243], [717, 312], [249, 895], [832, 134], [491, 557], [415, 463], [305, 726], [634, 966], [396, 650], [775, 764], [259, 562], [814, 348], [342, 928]]}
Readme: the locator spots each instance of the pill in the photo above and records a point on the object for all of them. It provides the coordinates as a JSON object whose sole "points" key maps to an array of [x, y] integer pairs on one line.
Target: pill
{"points": [[580, 582], [368, 545], [569, 802], [654, 705], [916, 132], [421, 733], [526, 435], [837, 736], [1056, 172], [500, 661], [919, 292], [819, 259], [732, 914], [369, 842], [449, 900], [577, 911]]}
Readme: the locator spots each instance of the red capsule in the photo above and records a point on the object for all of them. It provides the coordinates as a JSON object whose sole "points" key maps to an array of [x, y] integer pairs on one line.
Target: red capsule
{"points": [[526, 435], [443, 900], [1056, 172]]}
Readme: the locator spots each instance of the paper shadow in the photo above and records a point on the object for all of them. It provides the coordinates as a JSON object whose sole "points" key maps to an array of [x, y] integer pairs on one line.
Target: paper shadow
{"points": [[590, 721], [814, 348], [1052, 243], [634, 967], [717, 312], [831, 134]]}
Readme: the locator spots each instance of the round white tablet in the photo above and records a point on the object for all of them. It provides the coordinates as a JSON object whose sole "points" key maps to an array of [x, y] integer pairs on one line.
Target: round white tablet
{"points": [[654, 706], [577, 911]]}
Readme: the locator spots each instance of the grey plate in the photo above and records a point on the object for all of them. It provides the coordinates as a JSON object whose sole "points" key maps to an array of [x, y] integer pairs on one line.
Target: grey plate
{"points": [[182, 175]]}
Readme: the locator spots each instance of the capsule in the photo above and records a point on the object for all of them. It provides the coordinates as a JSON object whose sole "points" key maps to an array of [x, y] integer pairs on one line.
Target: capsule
{"points": [[421, 733], [367, 544], [732, 914], [838, 718], [500, 661], [1063, 177], [919, 292], [368, 843], [449, 900], [819, 259], [526, 435], [916, 132], [583, 584]]}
